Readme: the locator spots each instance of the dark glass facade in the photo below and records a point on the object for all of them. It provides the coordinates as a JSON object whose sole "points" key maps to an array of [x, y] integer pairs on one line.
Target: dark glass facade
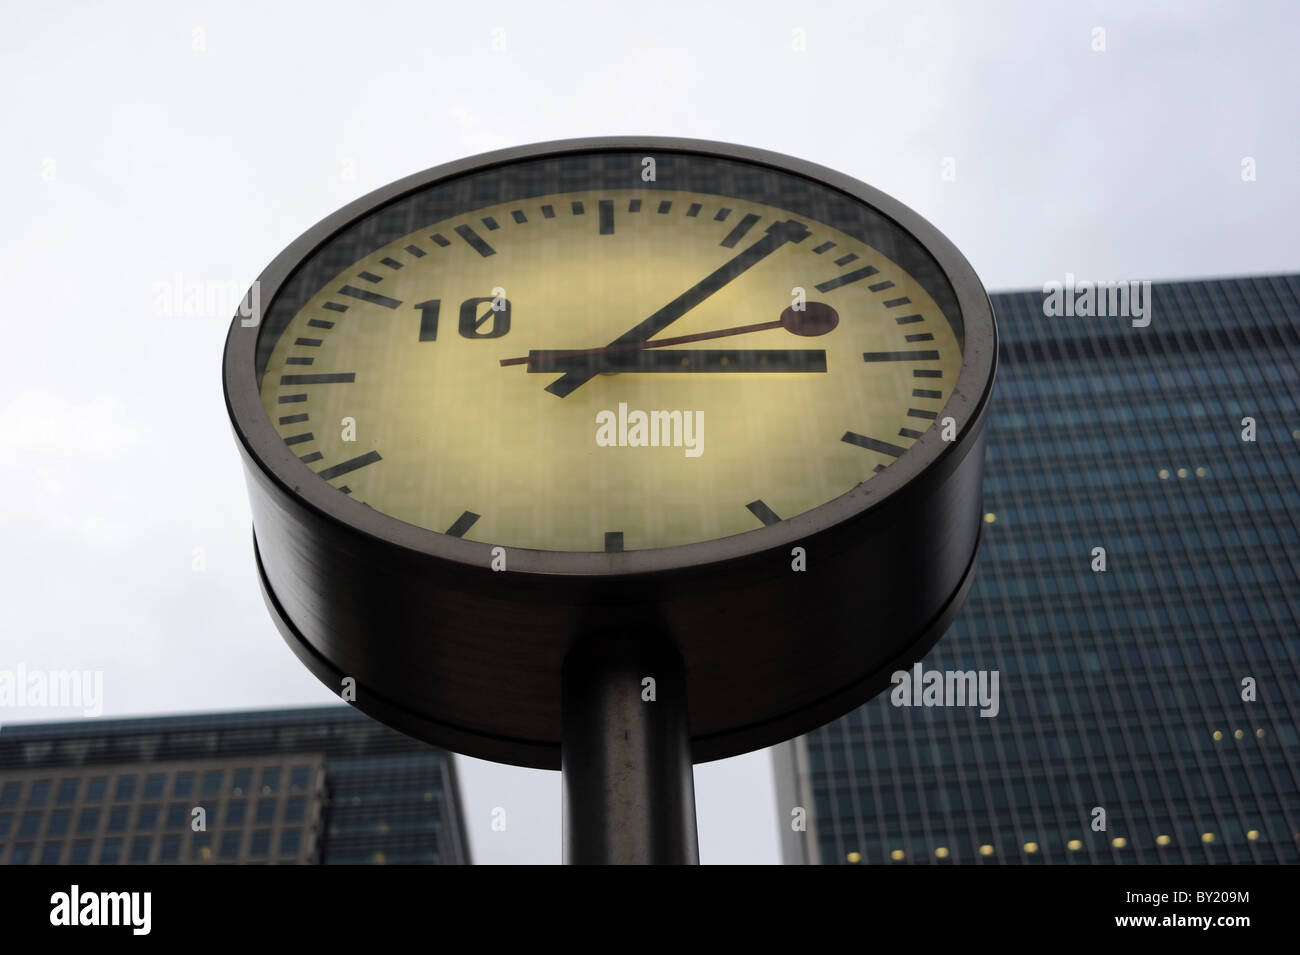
{"points": [[1119, 689], [320, 785]]}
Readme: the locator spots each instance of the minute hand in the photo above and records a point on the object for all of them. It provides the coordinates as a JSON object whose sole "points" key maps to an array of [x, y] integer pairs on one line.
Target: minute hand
{"points": [[778, 234]]}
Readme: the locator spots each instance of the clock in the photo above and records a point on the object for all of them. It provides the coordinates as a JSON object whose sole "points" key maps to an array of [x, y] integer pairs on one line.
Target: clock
{"points": [[509, 401]]}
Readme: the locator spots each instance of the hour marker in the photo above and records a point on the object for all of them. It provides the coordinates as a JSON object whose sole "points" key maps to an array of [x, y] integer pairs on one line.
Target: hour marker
{"points": [[880, 467], [613, 542], [721, 215], [332, 378], [416, 251], [824, 247], [391, 263], [871, 444], [694, 209], [763, 512], [900, 356], [846, 259], [518, 216], [921, 413], [440, 240], [475, 241], [462, 524], [634, 205], [299, 361], [926, 373], [491, 223], [881, 286], [926, 393], [292, 418], [664, 206], [335, 307], [311, 458], [740, 231], [908, 319], [319, 323], [345, 489], [606, 210], [371, 277], [309, 342], [847, 278], [895, 302], [300, 438], [373, 297], [548, 212], [920, 337], [291, 399], [370, 457], [909, 433], [577, 208]]}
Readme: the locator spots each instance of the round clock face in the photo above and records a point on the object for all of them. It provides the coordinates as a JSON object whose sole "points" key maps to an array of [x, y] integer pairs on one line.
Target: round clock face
{"points": [[620, 351]]}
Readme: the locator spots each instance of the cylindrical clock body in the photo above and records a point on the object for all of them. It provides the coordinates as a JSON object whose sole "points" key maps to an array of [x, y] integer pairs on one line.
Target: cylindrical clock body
{"points": [[779, 629]]}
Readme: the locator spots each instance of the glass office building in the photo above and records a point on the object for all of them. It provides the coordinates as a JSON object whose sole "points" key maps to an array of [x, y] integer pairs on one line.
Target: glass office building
{"points": [[1162, 690], [318, 785]]}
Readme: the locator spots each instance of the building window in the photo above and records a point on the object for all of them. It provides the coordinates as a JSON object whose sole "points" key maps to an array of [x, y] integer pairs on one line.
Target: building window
{"points": [[31, 824], [9, 794], [171, 849], [290, 840], [125, 790], [22, 855], [294, 809], [261, 843], [177, 813], [96, 789], [117, 819], [110, 853], [40, 792], [270, 780], [147, 817], [51, 853], [201, 846], [89, 821], [230, 845], [212, 781], [153, 785], [235, 812], [81, 852], [265, 811], [140, 847], [243, 781], [60, 819], [299, 777], [6, 823], [183, 784], [68, 791]]}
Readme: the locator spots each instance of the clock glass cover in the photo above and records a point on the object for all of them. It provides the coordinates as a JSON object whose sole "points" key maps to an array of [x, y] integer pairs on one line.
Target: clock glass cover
{"points": [[617, 350]]}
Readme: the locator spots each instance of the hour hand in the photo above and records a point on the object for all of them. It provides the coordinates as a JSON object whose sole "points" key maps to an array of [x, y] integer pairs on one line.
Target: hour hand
{"points": [[710, 360]]}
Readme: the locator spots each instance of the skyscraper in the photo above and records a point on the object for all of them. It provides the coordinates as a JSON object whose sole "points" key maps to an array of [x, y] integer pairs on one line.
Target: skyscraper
{"points": [[322, 784], [1136, 595]]}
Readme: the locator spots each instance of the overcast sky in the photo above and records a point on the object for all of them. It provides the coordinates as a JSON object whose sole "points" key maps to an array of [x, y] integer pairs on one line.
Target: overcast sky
{"points": [[152, 145]]}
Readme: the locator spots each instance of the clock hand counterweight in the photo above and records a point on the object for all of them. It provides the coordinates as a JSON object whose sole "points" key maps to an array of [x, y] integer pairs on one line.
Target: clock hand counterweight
{"points": [[778, 234]]}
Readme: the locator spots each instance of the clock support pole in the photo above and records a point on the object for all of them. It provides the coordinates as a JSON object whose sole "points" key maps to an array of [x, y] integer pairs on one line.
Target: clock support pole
{"points": [[629, 784]]}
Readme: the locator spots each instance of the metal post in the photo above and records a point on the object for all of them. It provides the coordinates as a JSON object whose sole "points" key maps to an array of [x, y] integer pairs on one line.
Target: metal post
{"points": [[629, 785]]}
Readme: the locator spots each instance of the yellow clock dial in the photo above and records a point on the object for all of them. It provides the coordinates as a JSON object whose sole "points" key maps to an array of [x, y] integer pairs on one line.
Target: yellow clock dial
{"points": [[613, 369]]}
